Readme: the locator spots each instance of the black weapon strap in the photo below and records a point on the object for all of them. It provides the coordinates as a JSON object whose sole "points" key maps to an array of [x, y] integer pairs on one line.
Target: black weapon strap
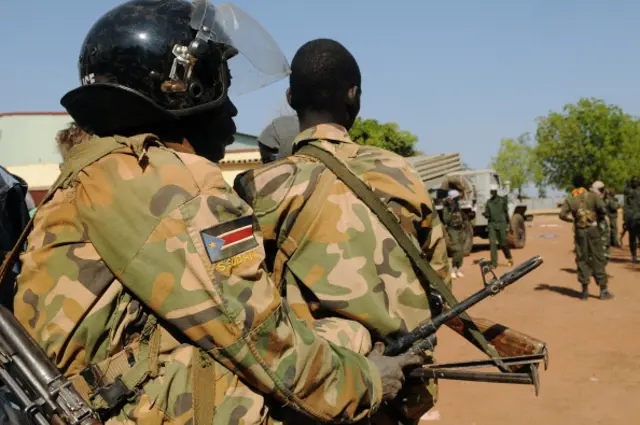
{"points": [[417, 257]]}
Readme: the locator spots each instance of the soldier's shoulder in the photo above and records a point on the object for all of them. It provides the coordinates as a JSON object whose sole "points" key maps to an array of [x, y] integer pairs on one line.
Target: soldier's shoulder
{"points": [[130, 191], [266, 187]]}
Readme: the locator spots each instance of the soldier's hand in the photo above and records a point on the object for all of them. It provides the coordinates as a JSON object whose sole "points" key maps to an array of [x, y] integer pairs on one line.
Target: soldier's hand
{"points": [[390, 369]]}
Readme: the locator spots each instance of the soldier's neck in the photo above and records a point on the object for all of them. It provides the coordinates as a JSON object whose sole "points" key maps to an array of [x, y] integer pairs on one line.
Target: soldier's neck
{"points": [[310, 119]]}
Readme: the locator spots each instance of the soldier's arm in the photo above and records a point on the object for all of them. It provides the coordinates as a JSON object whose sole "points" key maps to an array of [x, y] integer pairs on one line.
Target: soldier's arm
{"points": [[565, 212], [601, 208], [505, 208], [188, 249]]}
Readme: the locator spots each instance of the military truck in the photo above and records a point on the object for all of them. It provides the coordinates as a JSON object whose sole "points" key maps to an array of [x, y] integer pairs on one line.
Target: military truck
{"points": [[482, 180], [443, 172]]}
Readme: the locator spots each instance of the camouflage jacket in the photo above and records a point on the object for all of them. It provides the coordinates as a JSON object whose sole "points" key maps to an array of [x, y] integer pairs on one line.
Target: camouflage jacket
{"points": [[583, 208], [346, 263], [452, 216], [149, 232], [631, 204], [612, 205]]}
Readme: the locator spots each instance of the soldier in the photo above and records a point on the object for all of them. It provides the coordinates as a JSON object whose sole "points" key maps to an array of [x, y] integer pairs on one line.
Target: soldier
{"points": [[453, 221], [14, 216], [598, 189], [612, 212], [144, 276], [276, 139], [327, 249], [497, 213], [69, 137], [584, 209], [632, 215]]}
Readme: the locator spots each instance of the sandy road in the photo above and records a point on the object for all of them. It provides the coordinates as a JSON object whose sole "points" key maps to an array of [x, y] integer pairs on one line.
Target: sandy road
{"points": [[594, 368]]}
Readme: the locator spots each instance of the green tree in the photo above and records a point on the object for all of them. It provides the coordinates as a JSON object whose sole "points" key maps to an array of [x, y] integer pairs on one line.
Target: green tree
{"points": [[513, 161], [593, 138], [387, 136]]}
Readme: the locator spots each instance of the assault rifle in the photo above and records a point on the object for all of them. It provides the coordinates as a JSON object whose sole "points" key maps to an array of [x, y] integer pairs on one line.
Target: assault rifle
{"points": [[522, 368], [44, 395]]}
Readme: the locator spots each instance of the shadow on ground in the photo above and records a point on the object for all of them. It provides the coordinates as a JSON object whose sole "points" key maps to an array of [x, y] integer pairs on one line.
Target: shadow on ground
{"points": [[568, 292], [477, 247], [572, 271]]}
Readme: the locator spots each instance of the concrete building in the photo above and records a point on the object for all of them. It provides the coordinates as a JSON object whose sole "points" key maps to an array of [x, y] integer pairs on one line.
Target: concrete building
{"points": [[28, 149]]}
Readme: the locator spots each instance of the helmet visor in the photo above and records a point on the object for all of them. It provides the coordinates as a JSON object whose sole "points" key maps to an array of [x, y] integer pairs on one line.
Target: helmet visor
{"points": [[260, 61]]}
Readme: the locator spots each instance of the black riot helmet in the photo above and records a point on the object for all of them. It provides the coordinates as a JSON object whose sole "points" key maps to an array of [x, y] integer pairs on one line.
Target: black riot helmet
{"points": [[147, 63]]}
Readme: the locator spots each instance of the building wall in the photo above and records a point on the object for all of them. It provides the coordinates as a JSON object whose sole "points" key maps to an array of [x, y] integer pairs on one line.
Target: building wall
{"points": [[28, 149]]}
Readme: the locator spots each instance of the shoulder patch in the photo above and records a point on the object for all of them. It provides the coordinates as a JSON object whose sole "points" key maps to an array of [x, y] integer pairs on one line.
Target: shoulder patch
{"points": [[229, 239]]}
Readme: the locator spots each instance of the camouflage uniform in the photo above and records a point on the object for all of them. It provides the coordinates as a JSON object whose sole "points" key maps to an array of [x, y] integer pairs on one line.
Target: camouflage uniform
{"points": [[497, 214], [453, 221], [632, 218], [146, 257], [584, 209], [345, 263], [612, 213]]}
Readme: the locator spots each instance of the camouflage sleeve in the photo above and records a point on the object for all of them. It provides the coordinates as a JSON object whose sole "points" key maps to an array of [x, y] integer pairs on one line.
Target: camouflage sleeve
{"points": [[601, 208], [565, 212], [185, 244], [435, 246]]}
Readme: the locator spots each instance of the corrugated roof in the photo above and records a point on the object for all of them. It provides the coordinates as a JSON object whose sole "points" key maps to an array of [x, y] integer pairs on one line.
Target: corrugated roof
{"points": [[28, 138]]}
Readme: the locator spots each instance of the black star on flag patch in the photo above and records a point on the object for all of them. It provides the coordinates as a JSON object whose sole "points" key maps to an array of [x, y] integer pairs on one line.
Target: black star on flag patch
{"points": [[229, 239]]}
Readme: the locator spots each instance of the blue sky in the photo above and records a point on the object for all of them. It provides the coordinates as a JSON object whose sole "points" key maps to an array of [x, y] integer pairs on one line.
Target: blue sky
{"points": [[459, 74]]}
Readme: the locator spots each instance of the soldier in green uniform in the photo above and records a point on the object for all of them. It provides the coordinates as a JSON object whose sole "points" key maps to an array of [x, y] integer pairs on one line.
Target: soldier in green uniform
{"points": [[453, 221], [497, 213], [612, 213], [632, 215], [584, 209], [144, 278], [598, 189]]}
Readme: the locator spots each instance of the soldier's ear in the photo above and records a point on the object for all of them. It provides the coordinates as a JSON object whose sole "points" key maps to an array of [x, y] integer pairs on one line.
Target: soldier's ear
{"points": [[288, 95], [353, 95]]}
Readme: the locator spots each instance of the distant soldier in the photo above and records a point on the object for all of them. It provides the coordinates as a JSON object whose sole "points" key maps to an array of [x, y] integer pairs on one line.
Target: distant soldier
{"points": [[583, 209], [497, 213], [632, 215], [276, 140], [453, 221], [598, 189], [612, 212]]}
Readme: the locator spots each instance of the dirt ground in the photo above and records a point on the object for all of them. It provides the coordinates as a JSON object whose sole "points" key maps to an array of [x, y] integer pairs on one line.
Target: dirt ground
{"points": [[594, 346]]}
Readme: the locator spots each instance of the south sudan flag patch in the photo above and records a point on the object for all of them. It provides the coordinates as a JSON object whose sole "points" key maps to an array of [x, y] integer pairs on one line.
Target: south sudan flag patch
{"points": [[229, 239]]}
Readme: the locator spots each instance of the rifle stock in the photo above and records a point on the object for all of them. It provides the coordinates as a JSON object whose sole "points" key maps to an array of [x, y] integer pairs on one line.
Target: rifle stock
{"points": [[508, 342]]}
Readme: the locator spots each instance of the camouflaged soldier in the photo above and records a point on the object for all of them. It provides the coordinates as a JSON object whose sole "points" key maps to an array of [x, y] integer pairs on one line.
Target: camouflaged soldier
{"points": [[584, 209], [632, 215], [144, 279], [497, 213], [598, 189], [612, 213], [453, 222], [325, 247]]}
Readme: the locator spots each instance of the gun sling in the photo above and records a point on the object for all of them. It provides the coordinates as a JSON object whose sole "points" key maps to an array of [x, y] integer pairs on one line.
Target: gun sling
{"points": [[417, 257]]}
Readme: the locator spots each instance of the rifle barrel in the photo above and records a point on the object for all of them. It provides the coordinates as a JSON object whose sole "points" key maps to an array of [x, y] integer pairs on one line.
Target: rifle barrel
{"points": [[428, 328], [459, 375]]}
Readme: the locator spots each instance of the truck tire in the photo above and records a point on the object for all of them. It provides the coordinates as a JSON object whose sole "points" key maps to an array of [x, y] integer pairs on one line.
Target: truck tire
{"points": [[518, 238], [468, 238]]}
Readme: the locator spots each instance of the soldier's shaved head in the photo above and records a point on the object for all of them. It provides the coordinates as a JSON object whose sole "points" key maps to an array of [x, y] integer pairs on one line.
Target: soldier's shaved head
{"points": [[578, 180], [325, 78]]}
